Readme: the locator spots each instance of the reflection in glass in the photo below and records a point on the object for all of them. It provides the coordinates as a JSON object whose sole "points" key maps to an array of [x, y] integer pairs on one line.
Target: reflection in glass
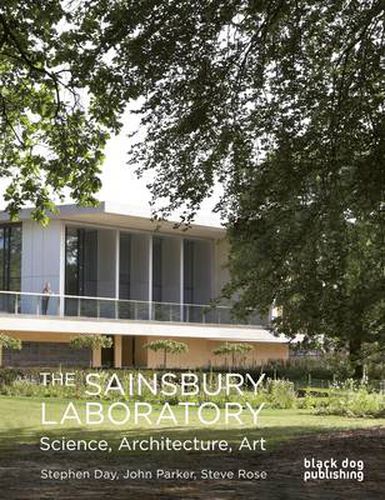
{"points": [[10, 263], [157, 250], [124, 266], [81, 270]]}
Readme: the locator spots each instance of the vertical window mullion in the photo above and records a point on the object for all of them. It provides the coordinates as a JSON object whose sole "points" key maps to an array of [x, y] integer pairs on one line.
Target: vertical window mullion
{"points": [[8, 256], [3, 264], [80, 262]]}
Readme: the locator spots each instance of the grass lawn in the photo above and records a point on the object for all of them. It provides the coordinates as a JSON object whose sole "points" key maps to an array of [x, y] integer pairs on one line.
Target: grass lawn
{"points": [[21, 424], [290, 436]]}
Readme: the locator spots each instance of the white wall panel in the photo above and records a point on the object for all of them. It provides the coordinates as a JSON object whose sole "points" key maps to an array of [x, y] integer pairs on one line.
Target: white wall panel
{"points": [[42, 256]]}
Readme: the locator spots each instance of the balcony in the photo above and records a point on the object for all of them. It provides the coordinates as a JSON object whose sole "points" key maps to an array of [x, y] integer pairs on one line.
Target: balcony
{"points": [[76, 307]]}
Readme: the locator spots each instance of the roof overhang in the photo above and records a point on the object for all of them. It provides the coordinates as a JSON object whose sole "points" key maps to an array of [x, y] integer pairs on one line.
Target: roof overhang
{"points": [[139, 328], [127, 217]]}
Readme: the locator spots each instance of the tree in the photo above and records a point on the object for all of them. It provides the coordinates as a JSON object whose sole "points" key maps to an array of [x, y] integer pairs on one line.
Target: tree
{"points": [[8, 342], [168, 347], [281, 103], [232, 349], [49, 141], [91, 342]]}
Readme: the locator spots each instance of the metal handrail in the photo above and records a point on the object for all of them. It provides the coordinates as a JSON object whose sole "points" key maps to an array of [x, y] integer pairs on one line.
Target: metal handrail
{"points": [[56, 305], [114, 299]]}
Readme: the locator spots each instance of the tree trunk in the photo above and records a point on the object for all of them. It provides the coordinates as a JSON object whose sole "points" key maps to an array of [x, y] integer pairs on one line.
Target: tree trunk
{"points": [[355, 345], [164, 358]]}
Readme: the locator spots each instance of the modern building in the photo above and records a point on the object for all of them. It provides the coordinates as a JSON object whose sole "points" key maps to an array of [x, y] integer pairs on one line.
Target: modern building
{"points": [[113, 272]]}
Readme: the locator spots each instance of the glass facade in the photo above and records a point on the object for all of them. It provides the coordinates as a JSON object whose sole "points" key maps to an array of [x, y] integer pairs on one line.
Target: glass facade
{"points": [[197, 280], [125, 266], [81, 262], [10, 257], [153, 277], [157, 250], [197, 271], [110, 273], [188, 271], [80, 270], [133, 275]]}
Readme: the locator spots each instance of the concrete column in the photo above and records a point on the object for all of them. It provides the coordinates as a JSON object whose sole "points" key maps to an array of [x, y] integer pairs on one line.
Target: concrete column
{"points": [[181, 278], [117, 262], [117, 272], [97, 357], [117, 351], [62, 269]]}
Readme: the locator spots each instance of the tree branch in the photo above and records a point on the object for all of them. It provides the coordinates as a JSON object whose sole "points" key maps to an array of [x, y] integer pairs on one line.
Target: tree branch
{"points": [[27, 60]]}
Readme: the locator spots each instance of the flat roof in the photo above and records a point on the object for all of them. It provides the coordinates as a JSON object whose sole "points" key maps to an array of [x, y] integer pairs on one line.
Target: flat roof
{"points": [[112, 214]]}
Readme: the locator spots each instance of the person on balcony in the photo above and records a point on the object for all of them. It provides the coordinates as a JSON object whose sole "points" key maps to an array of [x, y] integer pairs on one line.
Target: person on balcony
{"points": [[45, 298]]}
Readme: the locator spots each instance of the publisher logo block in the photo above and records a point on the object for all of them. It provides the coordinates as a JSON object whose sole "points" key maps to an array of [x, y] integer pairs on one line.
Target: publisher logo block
{"points": [[333, 469]]}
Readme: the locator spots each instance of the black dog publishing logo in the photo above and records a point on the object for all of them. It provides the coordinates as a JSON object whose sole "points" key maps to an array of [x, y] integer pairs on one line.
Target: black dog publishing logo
{"points": [[332, 469]]}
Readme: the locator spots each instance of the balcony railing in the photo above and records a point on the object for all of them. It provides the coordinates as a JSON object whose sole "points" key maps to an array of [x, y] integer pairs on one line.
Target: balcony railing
{"points": [[72, 306]]}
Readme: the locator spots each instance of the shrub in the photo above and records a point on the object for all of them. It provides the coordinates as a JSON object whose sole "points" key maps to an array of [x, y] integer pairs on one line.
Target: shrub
{"points": [[310, 371], [353, 401], [9, 375], [347, 399], [280, 394]]}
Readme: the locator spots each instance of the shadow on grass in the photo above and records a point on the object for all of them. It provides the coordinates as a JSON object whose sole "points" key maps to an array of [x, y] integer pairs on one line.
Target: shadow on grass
{"points": [[22, 462], [27, 438]]}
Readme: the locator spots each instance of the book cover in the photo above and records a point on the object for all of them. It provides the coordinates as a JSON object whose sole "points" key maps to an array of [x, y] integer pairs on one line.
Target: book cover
{"points": [[192, 249]]}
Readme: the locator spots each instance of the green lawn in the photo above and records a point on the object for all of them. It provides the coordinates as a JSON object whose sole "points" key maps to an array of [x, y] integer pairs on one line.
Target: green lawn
{"points": [[21, 424]]}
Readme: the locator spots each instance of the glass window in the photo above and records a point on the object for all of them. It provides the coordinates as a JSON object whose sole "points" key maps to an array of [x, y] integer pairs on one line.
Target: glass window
{"points": [[72, 262], [10, 257], [81, 261], [81, 271], [188, 268], [125, 266], [89, 262], [15, 258], [197, 277], [157, 269], [2, 257]]}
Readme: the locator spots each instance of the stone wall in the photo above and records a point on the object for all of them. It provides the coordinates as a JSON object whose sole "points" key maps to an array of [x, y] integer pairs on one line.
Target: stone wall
{"points": [[47, 354]]}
